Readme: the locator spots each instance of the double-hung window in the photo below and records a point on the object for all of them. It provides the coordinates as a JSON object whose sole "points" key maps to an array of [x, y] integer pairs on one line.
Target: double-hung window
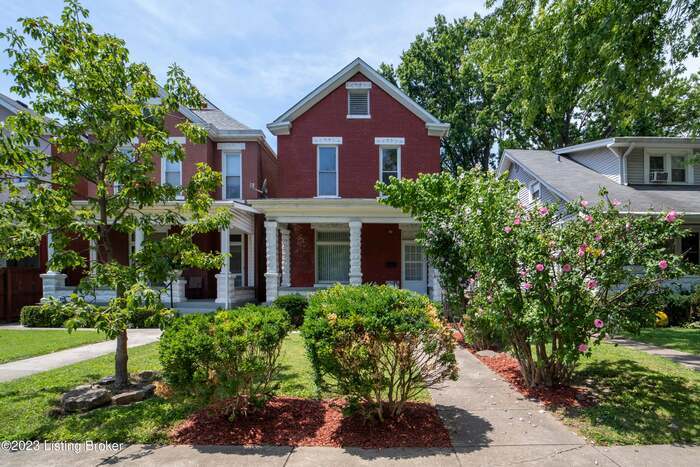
{"points": [[232, 174], [236, 259], [327, 176], [332, 257], [535, 192], [390, 163], [668, 166], [172, 172]]}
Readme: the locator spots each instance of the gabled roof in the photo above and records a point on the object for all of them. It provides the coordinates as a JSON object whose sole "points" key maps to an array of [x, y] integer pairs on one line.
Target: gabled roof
{"points": [[569, 180], [12, 105], [283, 123]]}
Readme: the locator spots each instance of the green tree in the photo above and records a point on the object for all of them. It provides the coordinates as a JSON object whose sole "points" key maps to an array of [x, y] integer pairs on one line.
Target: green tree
{"points": [[438, 72], [92, 102], [568, 71], [553, 278]]}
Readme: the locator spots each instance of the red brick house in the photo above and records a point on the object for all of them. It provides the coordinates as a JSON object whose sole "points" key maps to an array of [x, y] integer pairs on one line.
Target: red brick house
{"points": [[323, 223], [308, 216]]}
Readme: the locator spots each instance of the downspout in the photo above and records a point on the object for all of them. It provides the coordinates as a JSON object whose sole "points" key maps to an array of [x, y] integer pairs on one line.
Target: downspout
{"points": [[623, 158]]}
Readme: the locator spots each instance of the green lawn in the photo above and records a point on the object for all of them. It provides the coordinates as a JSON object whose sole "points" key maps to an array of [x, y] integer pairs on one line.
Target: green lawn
{"points": [[24, 403], [644, 399], [18, 344], [682, 339]]}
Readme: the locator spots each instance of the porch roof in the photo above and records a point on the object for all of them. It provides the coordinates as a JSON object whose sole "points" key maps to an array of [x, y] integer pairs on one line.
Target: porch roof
{"points": [[333, 210]]}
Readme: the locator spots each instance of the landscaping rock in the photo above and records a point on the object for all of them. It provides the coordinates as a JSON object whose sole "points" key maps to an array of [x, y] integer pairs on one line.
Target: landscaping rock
{"points": [[135, 395], [486, 353], [84, 398], [106, 381], [147, 376]]}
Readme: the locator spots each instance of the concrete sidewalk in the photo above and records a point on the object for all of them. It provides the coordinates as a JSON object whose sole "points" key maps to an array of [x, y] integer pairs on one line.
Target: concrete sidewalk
{"points": [[30, 366], [279, 456], [686, 359]]}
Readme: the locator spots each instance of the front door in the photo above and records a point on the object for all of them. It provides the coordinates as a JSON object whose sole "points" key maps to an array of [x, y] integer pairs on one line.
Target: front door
{"points": [[414, 268]]}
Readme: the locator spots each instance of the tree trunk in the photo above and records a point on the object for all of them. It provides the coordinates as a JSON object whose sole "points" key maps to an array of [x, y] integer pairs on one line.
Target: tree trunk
{"points": [[121, 358]]}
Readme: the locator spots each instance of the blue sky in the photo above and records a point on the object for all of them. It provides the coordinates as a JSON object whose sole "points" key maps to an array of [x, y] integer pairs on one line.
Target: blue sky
{"points": [[256, 59]]}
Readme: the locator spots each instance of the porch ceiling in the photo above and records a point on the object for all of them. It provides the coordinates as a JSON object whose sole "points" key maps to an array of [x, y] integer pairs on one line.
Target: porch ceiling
{"points": [[324, 210]]}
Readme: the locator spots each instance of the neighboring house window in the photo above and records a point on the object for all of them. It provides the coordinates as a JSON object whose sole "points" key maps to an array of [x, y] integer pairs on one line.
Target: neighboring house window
{"points": [[332, 257], [668, 166], [236, 259], [358, 98], [232, 175], [390, 163], [535, 192], [327, 163]]}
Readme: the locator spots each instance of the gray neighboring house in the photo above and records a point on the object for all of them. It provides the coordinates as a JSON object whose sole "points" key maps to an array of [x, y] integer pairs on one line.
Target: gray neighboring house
{"points": [[652, 174]]}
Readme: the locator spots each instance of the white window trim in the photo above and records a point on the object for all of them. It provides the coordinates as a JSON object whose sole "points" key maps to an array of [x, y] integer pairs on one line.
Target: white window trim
{"points": [[163, 161], [318, 170], [317, 283], [224, 153], [398, 160], [531, 190], [369, 104], [689, 168]]}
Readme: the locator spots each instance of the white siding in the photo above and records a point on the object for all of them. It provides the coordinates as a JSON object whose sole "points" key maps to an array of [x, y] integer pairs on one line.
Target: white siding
{"points": [[602, 160], [635, 167], [517, 173]]}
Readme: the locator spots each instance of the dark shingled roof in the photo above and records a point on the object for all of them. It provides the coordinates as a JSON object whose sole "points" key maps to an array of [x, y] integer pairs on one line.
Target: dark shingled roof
{"points": [[570, 180]]}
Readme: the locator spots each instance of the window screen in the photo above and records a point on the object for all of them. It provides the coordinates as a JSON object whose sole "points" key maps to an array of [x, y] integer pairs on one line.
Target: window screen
{"points": [[358, 102]]}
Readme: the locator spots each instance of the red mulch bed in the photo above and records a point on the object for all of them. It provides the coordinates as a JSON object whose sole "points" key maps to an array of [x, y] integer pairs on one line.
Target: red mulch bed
{"points": [[290, 421], [560, 396]]}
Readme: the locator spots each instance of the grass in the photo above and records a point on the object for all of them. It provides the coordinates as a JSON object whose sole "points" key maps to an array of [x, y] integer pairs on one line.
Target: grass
{"points": [[24, 403], [16, 344], [682, 339], [643, 399]]}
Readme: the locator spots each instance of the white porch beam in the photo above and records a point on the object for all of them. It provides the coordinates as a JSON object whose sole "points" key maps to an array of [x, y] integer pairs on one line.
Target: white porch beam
{"points": [[271, 274], [355, 252], [286, 259]]}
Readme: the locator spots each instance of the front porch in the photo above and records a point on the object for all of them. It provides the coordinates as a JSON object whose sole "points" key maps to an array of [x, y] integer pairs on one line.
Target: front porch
{"points": [[192, 289], [315, 243]]}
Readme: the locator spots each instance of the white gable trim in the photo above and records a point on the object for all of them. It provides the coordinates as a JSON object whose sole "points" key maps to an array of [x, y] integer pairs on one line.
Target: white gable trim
{"points": [[283, 123]]}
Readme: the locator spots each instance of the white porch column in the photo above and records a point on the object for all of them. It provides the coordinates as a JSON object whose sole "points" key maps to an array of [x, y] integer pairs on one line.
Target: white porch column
{"points": [[52, 281], [435, 283], [224, 280], [355, 252], [178, 288], [285, 260], [271, 274], [138, 240]]}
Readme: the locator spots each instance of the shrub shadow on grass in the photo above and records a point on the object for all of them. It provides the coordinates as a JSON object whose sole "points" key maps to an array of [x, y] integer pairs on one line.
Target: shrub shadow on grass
{"points": [[642, 405]]}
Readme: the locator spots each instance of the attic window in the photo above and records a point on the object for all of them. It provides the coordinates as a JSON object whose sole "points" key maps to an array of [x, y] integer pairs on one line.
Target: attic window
{"points": [[358, 99]]}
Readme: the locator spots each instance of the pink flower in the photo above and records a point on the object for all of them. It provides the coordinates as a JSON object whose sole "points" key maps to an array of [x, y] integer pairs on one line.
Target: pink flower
{"points": [[516, 221], [566, 267], [616, 202], [584, 203], [591, 284], [472, 281], [523, 272], [507, 229], [598, 237], [543, 211], [671, 216], [588, 218], [539, 267], [598, 323], [663, 264], [582, 249], [527, 286], [582, 348]]}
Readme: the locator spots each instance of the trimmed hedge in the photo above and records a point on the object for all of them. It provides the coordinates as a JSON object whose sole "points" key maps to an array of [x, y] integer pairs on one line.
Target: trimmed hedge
{"points": [[47, 315], [295, 305], [377, 345], [229, 356]]}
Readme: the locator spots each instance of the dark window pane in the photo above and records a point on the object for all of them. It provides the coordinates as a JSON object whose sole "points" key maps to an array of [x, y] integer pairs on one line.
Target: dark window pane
{"points": [[326, 184], [233, 187], [690, 247], [326, 159]]}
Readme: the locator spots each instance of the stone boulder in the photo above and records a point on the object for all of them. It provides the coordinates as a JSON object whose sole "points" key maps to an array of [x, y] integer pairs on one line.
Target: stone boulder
{"points": [[134, 395], [84, 398], [147, 376]]}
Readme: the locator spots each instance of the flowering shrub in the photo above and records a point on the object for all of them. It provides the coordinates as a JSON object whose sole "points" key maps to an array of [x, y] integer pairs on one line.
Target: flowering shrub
{"points": [[378, 345], [554, 278], [230, 356]]}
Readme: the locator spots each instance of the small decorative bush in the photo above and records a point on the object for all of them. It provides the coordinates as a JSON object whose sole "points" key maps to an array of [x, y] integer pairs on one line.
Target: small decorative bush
{"points": [[661, 319], [295, 306], [51, 314], [377, 345], [229, 356]]}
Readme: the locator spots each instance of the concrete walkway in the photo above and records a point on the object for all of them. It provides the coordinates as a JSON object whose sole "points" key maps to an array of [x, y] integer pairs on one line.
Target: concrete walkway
{"points": [[30, 366], [686, 359]]}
